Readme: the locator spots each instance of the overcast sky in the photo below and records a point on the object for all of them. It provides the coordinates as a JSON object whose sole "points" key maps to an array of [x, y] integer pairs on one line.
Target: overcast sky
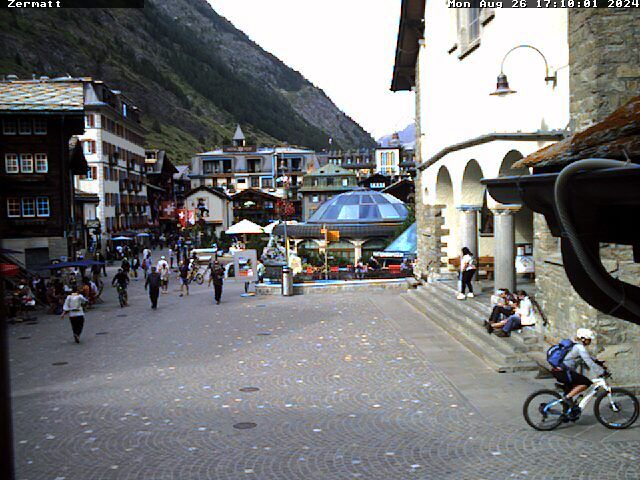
{"points": [[345, 47]]}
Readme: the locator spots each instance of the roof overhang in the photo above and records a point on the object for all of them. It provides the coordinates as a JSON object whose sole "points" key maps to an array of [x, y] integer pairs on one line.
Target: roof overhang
{"points": [[602, 206], [410, 32]]}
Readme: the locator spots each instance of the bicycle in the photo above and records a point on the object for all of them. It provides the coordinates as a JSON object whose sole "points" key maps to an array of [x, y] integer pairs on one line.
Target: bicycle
{"points": [[619, 403], [196, 274], [122, 296]]}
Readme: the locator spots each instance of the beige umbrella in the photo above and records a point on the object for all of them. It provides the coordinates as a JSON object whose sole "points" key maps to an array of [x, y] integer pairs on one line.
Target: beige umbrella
{"points": [[244, 227]]}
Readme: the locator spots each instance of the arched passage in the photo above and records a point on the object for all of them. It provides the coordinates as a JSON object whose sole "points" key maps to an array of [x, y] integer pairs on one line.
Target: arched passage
{"points": [[472, 195], [472, 189], [445, 199]]}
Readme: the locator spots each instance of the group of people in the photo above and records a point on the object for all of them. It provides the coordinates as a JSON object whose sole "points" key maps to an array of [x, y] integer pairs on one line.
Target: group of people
{"points": [[511, 312]]}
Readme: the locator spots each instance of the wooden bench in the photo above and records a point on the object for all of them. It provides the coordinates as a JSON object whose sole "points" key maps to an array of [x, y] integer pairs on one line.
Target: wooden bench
{"points": [[485, 266]]}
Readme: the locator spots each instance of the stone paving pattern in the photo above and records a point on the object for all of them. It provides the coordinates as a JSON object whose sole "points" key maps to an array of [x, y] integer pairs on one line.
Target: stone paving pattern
{"points": [[155, 395]]}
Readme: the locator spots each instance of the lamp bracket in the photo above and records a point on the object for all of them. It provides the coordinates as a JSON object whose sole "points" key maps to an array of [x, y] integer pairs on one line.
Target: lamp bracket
{"points": [[547, 78]]}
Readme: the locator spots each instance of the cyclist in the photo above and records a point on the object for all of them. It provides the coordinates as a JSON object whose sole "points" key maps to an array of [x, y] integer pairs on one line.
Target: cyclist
{"points": [[122, 280], [575, 383]]}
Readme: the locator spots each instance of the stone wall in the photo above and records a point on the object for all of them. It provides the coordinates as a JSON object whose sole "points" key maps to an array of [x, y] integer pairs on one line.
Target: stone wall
{"points": [[605, 73], [604, 60], [617, 341], [429, 238]]}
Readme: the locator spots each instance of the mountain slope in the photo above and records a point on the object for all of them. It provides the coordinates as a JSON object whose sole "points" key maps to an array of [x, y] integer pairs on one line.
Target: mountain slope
{"points": [[407, 137], [192, 73]]}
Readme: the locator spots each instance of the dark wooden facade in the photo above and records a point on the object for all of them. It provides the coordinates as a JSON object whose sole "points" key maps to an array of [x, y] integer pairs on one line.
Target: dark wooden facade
{"points": [[54, 183], [254, 205]]}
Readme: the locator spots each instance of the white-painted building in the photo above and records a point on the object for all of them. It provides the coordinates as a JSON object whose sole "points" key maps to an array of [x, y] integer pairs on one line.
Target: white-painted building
{"points": [[113, 144], [465, 134], [213, 206], [388, 161]]}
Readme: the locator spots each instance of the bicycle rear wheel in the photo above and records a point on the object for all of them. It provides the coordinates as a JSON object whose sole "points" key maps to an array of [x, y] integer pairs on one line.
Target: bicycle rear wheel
{"points": [[199, 279], [544, 410], [618, 410]]}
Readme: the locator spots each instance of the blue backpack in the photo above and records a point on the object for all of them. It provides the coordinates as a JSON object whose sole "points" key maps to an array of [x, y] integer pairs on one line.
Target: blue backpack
{"points": [[556, 354]]}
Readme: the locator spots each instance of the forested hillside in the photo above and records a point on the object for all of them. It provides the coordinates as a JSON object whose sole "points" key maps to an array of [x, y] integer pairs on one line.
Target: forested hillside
{"points": [[191, 72]]}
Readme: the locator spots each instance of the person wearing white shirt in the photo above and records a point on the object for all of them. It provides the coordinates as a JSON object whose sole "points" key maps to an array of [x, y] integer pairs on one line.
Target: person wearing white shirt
{"points": [[524, 316], [73, 307], [162, 263]]}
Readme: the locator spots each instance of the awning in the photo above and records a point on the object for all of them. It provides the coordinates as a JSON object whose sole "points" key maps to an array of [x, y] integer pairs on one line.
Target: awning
{"points": [[304, 230], [245, 227], [406, 243]]}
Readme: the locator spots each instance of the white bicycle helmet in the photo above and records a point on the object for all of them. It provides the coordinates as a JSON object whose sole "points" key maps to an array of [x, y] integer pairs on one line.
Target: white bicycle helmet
{"points": [[585, 334]]}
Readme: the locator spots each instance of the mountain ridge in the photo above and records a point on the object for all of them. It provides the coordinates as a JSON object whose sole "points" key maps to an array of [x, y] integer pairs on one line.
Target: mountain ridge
{"points": [[191, 72]]}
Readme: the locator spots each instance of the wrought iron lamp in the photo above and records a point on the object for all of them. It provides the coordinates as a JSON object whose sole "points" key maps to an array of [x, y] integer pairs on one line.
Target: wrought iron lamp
{"points": [[502, 87]]}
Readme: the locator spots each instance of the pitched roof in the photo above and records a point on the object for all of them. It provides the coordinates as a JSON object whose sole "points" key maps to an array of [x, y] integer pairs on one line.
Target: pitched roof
{"points": [[615, 137], [183, 171], [330, 169], [210, 190], [249, 192], [42, 96], [239, 135]]}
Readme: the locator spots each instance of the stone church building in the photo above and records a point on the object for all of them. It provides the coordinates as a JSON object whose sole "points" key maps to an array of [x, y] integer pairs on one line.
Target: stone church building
{"points": [[493, 87]]}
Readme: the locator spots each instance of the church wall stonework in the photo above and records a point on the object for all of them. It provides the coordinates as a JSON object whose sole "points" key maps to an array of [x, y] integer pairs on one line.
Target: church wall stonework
{"points": [[605, 73]]}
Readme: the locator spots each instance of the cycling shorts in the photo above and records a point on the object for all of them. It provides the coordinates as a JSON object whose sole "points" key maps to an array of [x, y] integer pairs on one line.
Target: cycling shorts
{"points": [[570, 378]]}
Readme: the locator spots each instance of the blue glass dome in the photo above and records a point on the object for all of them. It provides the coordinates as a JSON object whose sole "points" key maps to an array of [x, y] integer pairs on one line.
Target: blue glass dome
{"points": [[360, 206]]}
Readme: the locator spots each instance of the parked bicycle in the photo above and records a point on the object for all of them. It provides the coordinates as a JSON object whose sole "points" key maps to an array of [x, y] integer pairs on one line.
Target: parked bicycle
{"points": [[614, 407]]}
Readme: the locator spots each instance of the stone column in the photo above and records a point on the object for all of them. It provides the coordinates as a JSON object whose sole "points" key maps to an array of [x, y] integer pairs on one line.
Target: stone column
{"points": [[504, 246], [357, 246], [469, 232], [469, 227]]}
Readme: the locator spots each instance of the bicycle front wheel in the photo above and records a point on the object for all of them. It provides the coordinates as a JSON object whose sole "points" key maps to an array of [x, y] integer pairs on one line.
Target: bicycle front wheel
{"points": [[616, 410], [544, 410], [199, 279]]}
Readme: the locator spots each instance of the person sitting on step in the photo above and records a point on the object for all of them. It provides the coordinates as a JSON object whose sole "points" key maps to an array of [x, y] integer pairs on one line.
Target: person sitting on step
{"points": [[523, 317], [506, 306]]}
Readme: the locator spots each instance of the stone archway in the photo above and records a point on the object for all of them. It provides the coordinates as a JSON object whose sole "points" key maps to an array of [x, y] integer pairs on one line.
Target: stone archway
{"points": [[472, 194], [445, 199], [472, 189]]}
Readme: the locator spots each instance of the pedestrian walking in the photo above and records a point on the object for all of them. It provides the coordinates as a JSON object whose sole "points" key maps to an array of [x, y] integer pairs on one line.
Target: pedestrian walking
{"points": [[73, 307], [135, 265], [164, 278], [184, 277], [260, 270], [153, 283], [217, 276], [100, 258], [144, 265], [171, 258]]}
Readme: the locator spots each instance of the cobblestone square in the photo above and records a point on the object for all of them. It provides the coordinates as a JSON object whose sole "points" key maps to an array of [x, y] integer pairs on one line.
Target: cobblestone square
{"points": [[339, 389]]}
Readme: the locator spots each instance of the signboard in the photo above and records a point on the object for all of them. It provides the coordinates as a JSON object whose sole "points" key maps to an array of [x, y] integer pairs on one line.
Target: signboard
{"points": [[168, 210], [525, 264], [331, 235], [244, 263], [245, 149], [93, 223], [182, 217]]}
